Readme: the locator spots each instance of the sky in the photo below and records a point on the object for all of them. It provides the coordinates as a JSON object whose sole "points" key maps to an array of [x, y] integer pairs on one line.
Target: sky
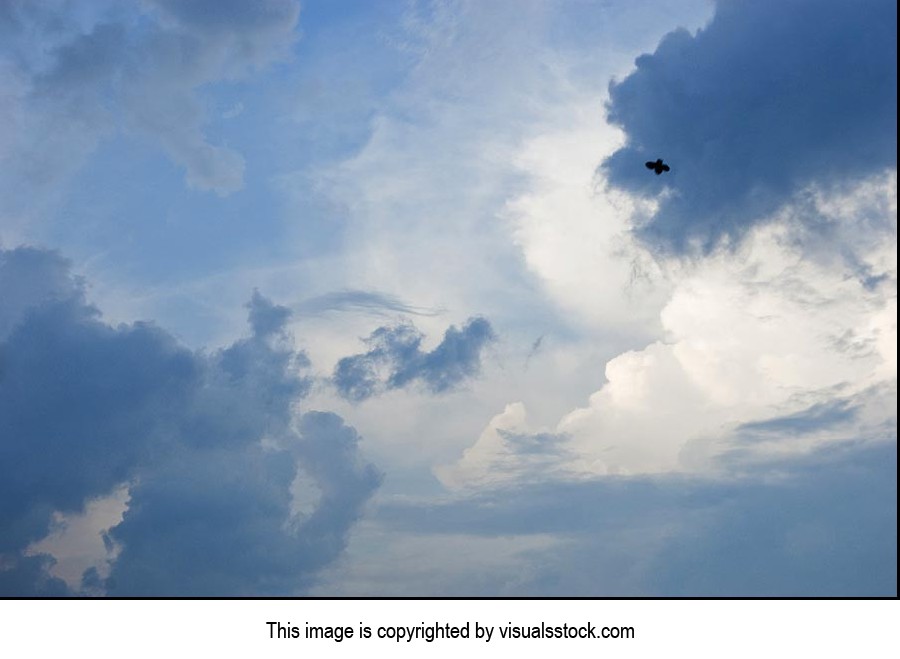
{"points": [[351, 298]]}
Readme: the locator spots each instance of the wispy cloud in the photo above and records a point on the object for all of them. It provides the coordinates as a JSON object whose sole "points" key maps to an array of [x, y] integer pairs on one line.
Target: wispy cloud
{"points": [[73, 78], [372, 302]]}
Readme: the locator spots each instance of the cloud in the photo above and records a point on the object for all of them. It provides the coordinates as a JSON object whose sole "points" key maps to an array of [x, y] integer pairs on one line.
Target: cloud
{"points": [[356, 300], [266, 319], [219, 522], [397, 349], [822, 524], [208, 444], [30, 577], [574, 237], [509, 450], [23, 290], [820, 415], [777, 347], [764, 101], [72, 78]]}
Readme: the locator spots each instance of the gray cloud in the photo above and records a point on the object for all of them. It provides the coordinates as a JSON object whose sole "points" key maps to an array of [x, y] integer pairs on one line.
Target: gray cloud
{"points": [[821, 415], [536, 444], [266, 319], [356, 300], [397, 351], [209, 445], [22, 290], [31, 578], [768, 98], [825, 526], [535, 347], [210, 521]]}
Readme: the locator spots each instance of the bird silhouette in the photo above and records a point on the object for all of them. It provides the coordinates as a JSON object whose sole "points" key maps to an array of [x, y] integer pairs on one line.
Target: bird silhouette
{"points": [[659, 166]]}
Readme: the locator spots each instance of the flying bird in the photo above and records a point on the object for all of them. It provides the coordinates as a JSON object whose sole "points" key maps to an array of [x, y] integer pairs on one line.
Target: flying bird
{"points": [[659, 166]]}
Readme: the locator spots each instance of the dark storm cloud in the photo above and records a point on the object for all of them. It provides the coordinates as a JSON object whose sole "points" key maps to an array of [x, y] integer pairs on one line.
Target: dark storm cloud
{"points": [[22, 290], [219, 522], [206, 442], [768, 98], [396, 359], [826, 526], [30, 578]]}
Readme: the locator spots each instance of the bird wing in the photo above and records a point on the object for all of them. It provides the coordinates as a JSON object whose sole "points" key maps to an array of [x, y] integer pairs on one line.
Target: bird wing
{"points": [[650, 165], [665, 168]]}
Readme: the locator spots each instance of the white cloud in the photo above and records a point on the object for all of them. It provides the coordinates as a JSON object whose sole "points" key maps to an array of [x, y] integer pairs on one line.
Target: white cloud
{"points": [[575, 239], [771, 329]]}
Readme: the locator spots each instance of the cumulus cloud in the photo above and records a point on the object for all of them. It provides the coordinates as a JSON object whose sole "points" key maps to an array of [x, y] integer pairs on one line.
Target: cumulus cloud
{"points": [[22, 290], [765, 100], [512, 452], [780, 346], [29, 576], [73, 77], [214, 521], [397, 350], [208, 444]]}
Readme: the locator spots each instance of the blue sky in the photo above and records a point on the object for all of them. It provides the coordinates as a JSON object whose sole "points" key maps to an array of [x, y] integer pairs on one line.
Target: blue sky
{"points": [[361, 298]]}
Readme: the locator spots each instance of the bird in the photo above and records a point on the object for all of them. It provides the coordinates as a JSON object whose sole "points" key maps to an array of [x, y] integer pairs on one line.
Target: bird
{"points": [[659, 166]]}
